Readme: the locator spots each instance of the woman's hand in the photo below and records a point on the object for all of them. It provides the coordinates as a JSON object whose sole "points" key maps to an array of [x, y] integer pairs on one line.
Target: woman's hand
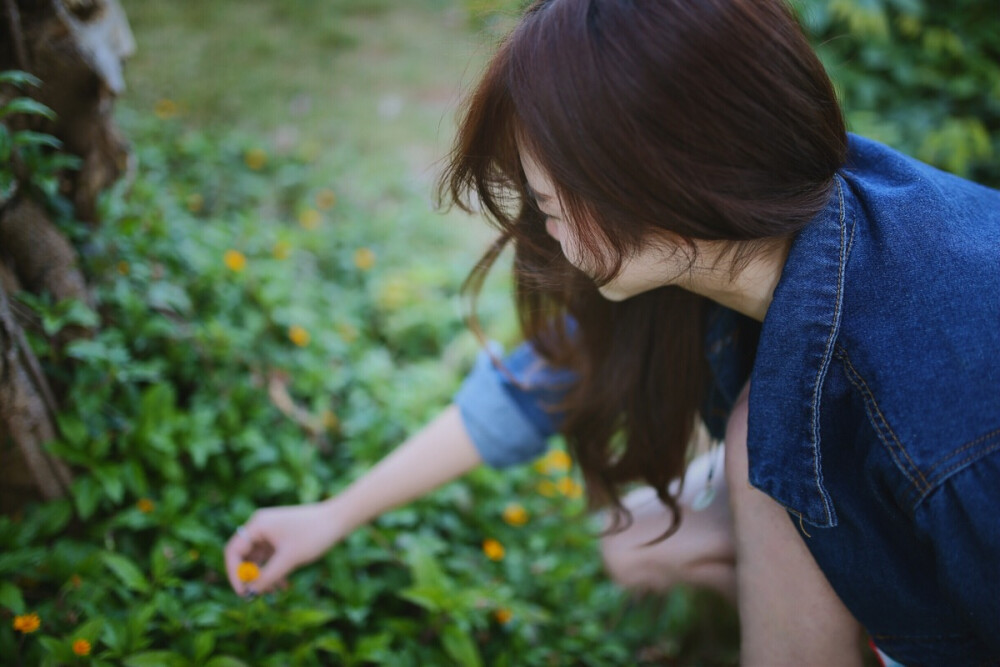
{"points": [[285, 538]]}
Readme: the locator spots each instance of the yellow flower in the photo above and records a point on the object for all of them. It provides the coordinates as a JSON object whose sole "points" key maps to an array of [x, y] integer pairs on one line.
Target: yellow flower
{"points": [[325, 199], [557, 460], [515, 514], [493, 549], [364, 258], [255, 158], [282, 249], [124, 268], [81, 647], [503, 615], [235, 260], [165, 109], [546, 488], [310, 218], [145, 505], [247, 572], [194, 202], [26, 623], [298, 335], [569, 488], [330, 420]]}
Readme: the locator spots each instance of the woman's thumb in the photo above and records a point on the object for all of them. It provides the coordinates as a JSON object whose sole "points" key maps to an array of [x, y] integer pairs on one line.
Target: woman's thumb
{"points": [[273, 572]]}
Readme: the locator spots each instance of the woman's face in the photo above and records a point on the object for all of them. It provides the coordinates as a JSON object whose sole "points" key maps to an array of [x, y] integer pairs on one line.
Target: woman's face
{"points": [[654, 265]]}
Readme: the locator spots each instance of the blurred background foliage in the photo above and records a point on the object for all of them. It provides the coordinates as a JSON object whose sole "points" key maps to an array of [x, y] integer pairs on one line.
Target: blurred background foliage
{"points": [[278, 304]]}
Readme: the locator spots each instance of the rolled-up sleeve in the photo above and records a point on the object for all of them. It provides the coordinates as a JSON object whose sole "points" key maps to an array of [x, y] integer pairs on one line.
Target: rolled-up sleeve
{"points": [[511, 415]]}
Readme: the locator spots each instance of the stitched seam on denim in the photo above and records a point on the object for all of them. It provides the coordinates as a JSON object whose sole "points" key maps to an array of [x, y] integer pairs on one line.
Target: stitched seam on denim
{"points": [[951, 455], [956, 467], [827, 354], [870, 403]]}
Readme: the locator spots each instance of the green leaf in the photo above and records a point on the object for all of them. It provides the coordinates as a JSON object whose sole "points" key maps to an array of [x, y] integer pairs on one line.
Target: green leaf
{"points": [[126, 571], [10, 597], [308, 618], [26, 105], [460, 647], [86, 495], [90, 630], [155, 659], [204, 644], [19, 78], [225, 661], [29, 138]]}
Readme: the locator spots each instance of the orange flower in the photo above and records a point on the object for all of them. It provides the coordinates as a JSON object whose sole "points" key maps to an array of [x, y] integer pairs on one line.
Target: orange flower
{"points": [[310, 218], [493, 549], [325, 199], [298, 335], [235, 260], [569, 488], [255, 158], [27, 623], [145, 505], [503, 615], [76, 581], [165, 109], [515, 514], [281, 250], [364, 258], [81, 647], [247, 572], [546, 488]]}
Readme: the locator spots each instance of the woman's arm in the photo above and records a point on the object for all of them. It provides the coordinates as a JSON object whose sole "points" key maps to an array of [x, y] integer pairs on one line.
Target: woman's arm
{"points": [[299, 534]]}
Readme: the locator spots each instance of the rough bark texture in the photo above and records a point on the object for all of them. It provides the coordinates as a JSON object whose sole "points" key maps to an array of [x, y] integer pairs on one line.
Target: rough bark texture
{"points": [[76, 48]]}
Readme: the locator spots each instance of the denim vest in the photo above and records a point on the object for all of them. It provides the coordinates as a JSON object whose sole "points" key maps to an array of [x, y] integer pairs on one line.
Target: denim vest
{"points": [[874, 402]]}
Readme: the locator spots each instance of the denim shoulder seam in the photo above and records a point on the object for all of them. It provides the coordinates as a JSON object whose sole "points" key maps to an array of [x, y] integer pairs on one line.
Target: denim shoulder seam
{"points": [[882, 427], [974, 450]]}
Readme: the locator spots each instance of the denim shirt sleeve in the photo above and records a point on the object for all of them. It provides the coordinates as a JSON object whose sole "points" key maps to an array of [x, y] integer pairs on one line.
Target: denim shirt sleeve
{"points": [[510, 422]]}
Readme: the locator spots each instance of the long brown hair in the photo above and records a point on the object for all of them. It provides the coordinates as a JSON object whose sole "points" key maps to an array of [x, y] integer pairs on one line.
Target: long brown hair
{"points": [[702, 119]]}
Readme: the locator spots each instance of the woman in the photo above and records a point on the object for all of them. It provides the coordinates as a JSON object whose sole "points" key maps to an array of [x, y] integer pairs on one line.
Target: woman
{"points": [[696, 236]]}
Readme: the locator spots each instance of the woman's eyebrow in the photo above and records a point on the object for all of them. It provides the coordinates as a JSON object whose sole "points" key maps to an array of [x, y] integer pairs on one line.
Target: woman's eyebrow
{"points": [[537, 196]]}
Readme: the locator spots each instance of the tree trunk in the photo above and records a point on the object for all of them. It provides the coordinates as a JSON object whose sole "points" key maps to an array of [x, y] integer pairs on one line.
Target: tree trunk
{"points": [[76, 48]]}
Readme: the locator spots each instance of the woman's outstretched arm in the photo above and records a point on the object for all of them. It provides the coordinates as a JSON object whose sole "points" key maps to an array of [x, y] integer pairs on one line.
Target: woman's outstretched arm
{"points": [[299, 534]]}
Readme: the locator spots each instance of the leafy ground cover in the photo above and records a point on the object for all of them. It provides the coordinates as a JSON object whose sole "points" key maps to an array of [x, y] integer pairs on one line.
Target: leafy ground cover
{"points": [[278, 309]]}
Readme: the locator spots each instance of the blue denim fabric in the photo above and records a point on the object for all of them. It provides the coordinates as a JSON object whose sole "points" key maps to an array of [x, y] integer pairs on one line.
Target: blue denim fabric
{"points": [[874, 404]]}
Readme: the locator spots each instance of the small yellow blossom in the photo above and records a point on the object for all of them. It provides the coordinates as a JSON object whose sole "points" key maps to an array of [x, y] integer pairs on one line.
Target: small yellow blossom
{"points": [[235, 260], [194, 202], [325, 199], [503, 615], [515, 514], [330, 420], [493, 549], [26, 623], [310, 218], [348, 332], [255, 158], [558, 461], [165, 109], [569, 488], [298, 335], [547, 488], [145, 505], [81, 647], [364, 258], [395, 293], [282, 249], [124, 268], [247, 572]]}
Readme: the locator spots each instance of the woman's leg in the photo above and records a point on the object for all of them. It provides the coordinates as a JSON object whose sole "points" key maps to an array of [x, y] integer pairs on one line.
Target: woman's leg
{"points": [[789, 614], [702, 551]]}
